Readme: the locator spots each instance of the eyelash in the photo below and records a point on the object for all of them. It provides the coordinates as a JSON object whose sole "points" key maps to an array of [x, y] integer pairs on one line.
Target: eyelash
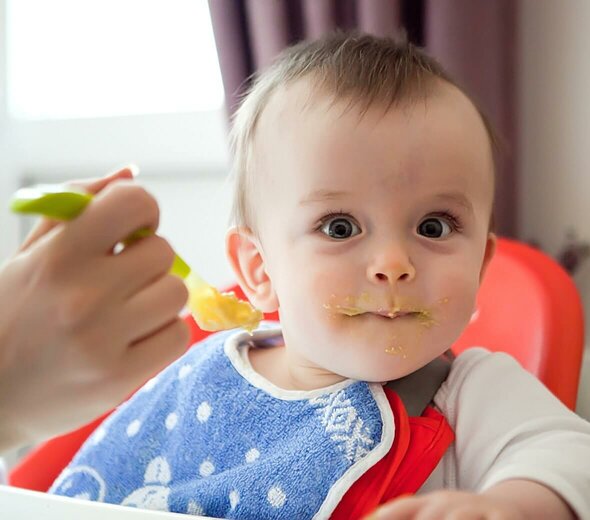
{"points": [[329, 215], [448, 215]]}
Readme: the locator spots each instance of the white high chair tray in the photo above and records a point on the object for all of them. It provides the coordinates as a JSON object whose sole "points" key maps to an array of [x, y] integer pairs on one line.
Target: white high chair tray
{"points": [[22, 504]]}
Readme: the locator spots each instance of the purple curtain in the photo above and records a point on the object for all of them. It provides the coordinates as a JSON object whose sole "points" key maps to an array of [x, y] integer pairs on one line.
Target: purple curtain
{"points": [[473, 39]]}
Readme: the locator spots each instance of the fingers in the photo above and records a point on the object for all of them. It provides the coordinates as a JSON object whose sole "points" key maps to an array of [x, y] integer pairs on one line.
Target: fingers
{"points": [[138, 264], [41, 228], [153, 307], [92, 186], [95, 186], [116, 212], [153, 353], [402, 508], [444, 505]]}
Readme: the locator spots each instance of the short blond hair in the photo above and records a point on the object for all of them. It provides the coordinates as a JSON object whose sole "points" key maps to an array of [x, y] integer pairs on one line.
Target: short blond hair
{"points": [[361, 68]]}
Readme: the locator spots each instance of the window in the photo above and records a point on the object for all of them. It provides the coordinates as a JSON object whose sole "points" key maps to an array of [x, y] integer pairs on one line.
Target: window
{"points": [[96, 58]]}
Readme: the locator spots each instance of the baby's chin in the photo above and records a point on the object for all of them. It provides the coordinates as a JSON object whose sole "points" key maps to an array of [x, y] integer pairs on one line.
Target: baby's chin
{"points": [[383, 363], [378, 373]]}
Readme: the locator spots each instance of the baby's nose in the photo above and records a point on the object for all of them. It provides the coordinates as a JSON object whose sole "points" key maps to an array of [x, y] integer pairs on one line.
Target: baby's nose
{"points": [[391, 267]]}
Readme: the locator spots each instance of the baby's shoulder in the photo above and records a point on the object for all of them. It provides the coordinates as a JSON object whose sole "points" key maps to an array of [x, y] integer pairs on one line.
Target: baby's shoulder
{"points": [[476, 360], [480, 379], [477, 365]]}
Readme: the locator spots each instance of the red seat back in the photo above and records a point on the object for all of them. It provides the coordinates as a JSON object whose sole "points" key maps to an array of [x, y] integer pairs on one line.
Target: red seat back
{"points": [[529, 307]]}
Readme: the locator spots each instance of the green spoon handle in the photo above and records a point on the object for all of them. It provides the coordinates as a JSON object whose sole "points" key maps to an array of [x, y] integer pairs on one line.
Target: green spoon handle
{"points": [[65, 203]]}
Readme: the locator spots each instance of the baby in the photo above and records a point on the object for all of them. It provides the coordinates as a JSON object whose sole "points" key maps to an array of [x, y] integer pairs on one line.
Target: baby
{"points": [[364, 193]]}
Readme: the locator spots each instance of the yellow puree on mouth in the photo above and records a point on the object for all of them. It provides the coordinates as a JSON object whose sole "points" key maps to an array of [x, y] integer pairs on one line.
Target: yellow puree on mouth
{"points": [[424, 316]]}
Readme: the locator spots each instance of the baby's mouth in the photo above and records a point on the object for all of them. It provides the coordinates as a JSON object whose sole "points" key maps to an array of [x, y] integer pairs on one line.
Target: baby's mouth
{"points": [[423, 316], [391, 316], [383, 313], [366, 307]]}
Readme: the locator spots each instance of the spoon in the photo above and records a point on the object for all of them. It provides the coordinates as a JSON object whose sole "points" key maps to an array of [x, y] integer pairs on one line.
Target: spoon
{"points": [[211, 309]]}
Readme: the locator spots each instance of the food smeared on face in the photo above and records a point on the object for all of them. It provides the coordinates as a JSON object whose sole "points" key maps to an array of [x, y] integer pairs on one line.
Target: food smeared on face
{"points": [[397, 350], [351, 306]]}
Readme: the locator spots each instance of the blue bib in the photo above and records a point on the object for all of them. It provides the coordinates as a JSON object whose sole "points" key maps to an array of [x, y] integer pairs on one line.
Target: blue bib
{"points": [[210, 436]]}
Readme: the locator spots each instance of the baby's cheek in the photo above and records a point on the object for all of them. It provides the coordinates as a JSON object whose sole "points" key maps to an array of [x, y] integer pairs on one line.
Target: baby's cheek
{"points": [[456, 302], [328, 286], [317, 294], [303, 294]]}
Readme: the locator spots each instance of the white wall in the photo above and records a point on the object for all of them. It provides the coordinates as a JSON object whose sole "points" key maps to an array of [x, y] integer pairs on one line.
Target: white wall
{"points": [[554, 77]]}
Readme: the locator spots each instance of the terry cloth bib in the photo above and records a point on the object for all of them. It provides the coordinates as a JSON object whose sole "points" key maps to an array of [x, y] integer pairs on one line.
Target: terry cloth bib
{"points": [[209, 436]]}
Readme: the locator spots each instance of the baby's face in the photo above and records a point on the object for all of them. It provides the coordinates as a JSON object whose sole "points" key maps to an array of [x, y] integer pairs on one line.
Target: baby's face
{"points": [[375, 229]]}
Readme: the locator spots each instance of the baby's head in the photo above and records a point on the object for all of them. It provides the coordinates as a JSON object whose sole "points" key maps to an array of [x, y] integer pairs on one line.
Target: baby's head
{"points": [[364, 192]]}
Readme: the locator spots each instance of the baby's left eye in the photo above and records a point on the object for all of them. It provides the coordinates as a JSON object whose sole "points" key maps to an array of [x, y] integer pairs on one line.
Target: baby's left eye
{"points": [[434, 227]]}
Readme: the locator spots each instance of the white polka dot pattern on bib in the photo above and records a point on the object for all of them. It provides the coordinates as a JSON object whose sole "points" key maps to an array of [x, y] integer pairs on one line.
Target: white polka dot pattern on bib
{"points": [[133, 428], [98, 435], [184, 371], [252, 455], [206, 468], [276, 497], [234, 499], [203, 412], [171, 420], [195, 509]]}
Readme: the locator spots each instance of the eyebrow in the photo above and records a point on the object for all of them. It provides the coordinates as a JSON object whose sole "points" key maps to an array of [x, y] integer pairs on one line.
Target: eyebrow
{"points": [[457, 198], [322, 196]]}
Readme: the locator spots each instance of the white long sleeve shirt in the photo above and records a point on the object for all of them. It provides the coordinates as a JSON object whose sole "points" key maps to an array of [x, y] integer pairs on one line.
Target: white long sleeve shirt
{"points": [[509, 426]]}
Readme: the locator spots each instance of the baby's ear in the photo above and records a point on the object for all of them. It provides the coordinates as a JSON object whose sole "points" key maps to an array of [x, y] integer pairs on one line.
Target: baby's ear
{"points": [[488, 255], [245, 256]]}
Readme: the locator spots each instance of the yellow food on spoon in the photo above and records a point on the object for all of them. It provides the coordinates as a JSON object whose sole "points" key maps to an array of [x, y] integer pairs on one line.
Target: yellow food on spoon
{"points": [[219, 311], [211, 309]]}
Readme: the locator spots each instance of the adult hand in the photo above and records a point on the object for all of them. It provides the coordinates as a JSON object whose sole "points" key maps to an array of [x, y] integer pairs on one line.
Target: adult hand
{"points": [[442, 505], [80, 326]]}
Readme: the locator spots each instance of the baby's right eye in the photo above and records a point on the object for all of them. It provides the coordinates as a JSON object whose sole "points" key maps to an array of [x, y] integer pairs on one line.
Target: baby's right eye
{"points": [[340, 227]]}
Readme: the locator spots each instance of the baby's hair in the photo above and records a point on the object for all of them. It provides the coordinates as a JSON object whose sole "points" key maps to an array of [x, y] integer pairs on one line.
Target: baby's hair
{"points": [[363, 69]]}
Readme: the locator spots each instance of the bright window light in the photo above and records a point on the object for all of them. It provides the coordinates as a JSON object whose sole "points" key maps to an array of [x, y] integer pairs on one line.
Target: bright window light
{"points": [[100, 58]]}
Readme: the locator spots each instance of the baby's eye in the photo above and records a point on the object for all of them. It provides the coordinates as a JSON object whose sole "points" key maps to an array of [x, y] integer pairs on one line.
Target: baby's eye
{"points": [[340, 228], [434, 227]]}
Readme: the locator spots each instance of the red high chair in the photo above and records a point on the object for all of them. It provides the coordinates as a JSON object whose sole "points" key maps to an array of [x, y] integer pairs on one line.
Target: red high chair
{"points": [[527, 306]]}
